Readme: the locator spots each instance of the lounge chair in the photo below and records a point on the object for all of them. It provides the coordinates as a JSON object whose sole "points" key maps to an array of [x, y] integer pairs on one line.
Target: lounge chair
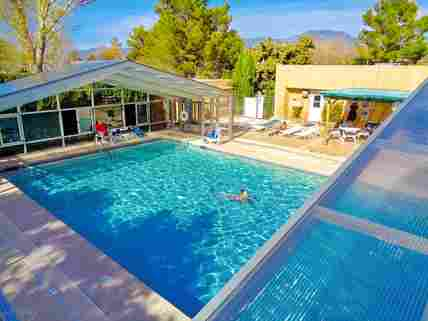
{"points": [[267, 125], [138, 132], [308, 133], [213, 136], [291, 131]]}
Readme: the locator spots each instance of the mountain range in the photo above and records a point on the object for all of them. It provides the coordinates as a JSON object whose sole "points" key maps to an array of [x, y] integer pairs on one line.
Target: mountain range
{"points": [[317, 35]]}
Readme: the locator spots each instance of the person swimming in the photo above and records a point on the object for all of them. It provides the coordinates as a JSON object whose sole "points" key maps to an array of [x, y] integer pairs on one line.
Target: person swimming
{"points": [[242, 197]]}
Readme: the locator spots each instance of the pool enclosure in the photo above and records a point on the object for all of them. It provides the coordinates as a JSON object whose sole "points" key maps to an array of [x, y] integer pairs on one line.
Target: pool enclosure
{"points": [[358, 250], [59, 108]]}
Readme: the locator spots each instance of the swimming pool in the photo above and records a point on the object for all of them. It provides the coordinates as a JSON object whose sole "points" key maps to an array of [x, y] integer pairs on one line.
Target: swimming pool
{"points": [[158, 209]]}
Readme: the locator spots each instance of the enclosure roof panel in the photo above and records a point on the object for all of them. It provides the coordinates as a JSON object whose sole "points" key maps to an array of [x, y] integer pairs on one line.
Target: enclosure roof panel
{"points": [[121, 72]]}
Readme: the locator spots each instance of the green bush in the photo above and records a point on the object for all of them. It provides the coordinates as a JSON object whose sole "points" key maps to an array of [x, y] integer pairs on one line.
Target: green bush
{"points": [[297, 112], [336, 111]]}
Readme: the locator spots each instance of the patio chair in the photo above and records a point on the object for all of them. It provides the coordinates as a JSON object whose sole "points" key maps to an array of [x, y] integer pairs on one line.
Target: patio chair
{"points": [[213, 136], [348, 136], [308, 133]]}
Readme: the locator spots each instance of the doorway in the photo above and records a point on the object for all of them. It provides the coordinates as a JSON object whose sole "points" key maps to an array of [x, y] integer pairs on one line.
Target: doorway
{"points": [[316, 104]]}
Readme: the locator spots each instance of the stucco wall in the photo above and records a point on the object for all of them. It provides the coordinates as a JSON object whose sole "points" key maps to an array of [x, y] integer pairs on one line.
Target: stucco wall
{"points": [[315, 77]]}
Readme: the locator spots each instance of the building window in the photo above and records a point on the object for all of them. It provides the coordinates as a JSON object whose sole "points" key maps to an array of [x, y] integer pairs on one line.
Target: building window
{"points": [[317, 101]]}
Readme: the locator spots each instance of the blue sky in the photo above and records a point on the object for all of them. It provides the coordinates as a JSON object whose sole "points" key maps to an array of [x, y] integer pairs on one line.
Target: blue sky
{"points": [[94, 25]]}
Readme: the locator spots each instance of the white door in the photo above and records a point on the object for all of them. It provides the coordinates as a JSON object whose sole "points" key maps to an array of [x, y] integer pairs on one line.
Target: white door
{"points": [[316, 105]]}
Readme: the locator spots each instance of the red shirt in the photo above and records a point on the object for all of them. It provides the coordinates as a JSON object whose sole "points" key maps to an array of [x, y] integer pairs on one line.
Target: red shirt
{"points": [[101, 128]]}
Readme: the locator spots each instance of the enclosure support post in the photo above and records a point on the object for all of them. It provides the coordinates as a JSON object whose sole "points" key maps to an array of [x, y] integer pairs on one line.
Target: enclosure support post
{"points": [[21, 127], [93, 118], [231, 108], [122, 102], [61, 124]]}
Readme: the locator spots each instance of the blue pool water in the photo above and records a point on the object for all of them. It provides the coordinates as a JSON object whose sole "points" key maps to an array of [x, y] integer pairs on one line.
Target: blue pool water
{"points": [[158, 210]]}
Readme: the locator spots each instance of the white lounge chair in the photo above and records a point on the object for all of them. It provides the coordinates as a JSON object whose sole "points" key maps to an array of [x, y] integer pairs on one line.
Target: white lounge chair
{"points": [[291, 131], [267, 125], [308, 133]]}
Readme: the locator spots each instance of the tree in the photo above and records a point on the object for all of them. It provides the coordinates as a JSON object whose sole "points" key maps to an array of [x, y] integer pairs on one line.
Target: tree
{"points": [[394, 33], [244, 77], [36, 25], [10, 58], [92, 56], [113, 52], [189, 38], [268, 54], [73, 56]]}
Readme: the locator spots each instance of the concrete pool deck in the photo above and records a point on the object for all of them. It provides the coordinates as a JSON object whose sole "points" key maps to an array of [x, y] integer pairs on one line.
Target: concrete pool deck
{"points": [[48, 272]]}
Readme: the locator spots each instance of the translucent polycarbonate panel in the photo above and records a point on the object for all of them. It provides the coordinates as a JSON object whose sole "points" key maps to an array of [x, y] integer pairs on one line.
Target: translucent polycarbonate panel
{"points": [[337, 274], [112, 116], [107, 96], [134, 96], [85, 119], [9, 111], [142, 116], [387, 184], [42, 78], [41, 126], [9, 132], [157, 112], [48, 103], [76, 98]]}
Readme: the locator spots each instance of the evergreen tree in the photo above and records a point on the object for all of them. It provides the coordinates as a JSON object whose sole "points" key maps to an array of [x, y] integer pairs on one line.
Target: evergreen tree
{"points": [[189, 38], [394, 33], [268, 54], [244, 77]]}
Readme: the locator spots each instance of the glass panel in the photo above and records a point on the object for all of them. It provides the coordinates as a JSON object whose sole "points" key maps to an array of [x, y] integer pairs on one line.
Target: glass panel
{"points": [[9, 132], [44, 145], [85, 120], [49, 103], [133, 96], [112, 116], [157, 112], [130, 115], [40, 126], [107, 96], [11, 150], [76, 98], [142, 114], [69, 122]]}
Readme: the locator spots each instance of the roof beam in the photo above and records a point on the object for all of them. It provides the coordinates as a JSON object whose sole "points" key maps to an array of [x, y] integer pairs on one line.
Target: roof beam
{"points": [[378, 231]]}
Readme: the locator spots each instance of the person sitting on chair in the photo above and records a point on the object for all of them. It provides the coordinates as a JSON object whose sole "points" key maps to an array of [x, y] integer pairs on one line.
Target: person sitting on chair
{"points": [[101, 128]]}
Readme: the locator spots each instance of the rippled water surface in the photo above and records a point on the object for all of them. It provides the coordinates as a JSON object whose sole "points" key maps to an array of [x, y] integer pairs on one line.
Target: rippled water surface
{"points": [[159, 210]]}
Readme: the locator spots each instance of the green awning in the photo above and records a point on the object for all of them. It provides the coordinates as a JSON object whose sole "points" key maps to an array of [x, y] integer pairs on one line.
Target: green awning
{"points": [[367, 94]]}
